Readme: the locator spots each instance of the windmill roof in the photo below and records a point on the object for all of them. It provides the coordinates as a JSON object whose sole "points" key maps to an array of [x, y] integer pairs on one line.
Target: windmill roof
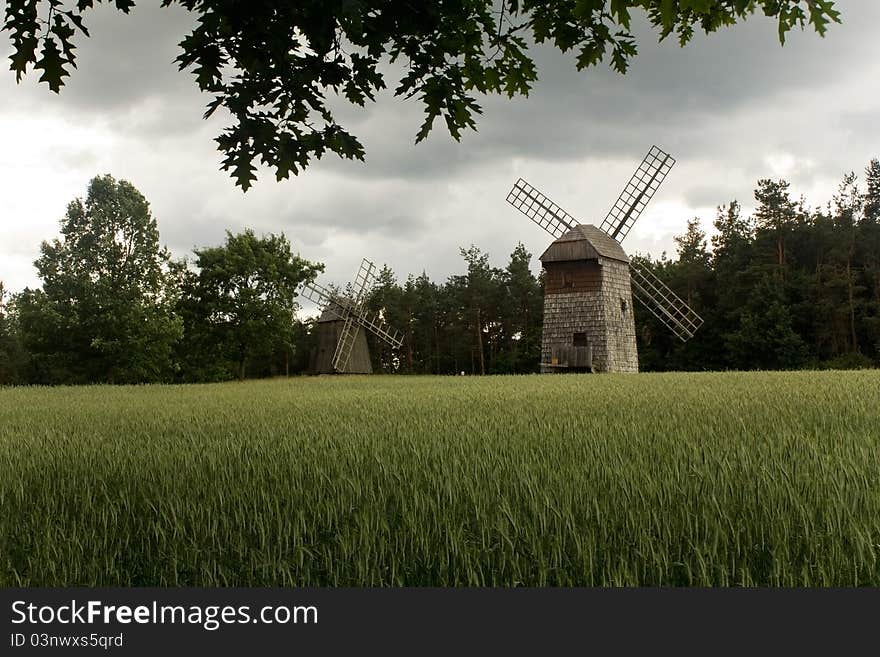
{"points": [[332, 313], [584, 242]]}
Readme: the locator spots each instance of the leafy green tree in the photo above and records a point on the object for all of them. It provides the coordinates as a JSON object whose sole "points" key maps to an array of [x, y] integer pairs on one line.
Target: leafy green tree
{"points": [[239, 305], [733, 279], [848, 205], [12, 355], [277, 68], [691, 276], [765, 338], [104, 311]]}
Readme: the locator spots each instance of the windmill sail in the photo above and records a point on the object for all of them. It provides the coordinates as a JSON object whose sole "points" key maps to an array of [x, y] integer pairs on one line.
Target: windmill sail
{"points": [[345, 344], [638, 191], [540, 209], [363, 282], [663, 303], [319, 295], [380, 329]]}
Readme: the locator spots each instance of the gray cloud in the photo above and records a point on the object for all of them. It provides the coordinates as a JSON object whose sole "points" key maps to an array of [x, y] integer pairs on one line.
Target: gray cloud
{"points": [[668, 95], [129, 58]]}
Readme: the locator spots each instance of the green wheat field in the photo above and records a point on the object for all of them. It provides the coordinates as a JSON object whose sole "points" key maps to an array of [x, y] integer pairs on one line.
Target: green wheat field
{"points": [[652, 479]]}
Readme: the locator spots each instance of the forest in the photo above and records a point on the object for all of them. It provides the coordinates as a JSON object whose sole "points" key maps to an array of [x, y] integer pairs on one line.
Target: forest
{"points": [[789, 286]]}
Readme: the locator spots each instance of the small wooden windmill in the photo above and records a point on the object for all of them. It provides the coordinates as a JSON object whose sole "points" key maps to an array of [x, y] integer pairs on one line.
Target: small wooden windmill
{"points": [[342, 341], [590, 282]]}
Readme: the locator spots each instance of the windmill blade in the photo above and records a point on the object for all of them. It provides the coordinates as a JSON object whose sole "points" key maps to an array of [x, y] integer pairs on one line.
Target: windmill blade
{"points": [[663, 303], [317, 294], [638, 191], [351, 309], [326, 299], [363, 283], [380, 329], [540, 209], [344, 309], [345, 344]]}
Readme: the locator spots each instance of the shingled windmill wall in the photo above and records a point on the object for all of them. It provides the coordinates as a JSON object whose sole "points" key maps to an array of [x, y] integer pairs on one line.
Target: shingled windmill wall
{"points": [[587, 297], [329, 328]]}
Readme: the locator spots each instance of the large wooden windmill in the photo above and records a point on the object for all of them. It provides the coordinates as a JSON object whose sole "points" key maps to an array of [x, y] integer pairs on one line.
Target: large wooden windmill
{"points": [[589, 281], [342, 341]]}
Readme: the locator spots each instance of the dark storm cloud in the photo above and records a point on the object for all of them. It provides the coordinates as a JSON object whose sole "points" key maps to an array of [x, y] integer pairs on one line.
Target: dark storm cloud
{"points": [[710, 195], [366, 212], [129, 58], [128, 64], [668, 95], [127, 73]]}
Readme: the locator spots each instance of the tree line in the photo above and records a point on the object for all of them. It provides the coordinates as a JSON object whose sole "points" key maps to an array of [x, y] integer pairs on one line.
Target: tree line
{"points": [[786, 287]]}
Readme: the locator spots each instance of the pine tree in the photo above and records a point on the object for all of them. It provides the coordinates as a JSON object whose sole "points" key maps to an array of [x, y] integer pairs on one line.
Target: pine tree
{"points": [[871, 199], [775, 215], [522, 313], [868, 253]]}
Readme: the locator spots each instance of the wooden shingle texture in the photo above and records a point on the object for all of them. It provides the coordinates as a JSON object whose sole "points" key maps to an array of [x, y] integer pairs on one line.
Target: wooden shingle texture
{"points": [[587, 291]]}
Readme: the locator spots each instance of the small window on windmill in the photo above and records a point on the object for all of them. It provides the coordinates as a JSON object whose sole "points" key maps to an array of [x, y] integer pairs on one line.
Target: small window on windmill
{"points": [[579, 340], [623, 306], [567, 279]]}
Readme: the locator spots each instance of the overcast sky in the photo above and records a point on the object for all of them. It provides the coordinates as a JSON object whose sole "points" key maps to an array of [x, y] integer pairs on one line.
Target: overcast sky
{"points": [[732, 108]]}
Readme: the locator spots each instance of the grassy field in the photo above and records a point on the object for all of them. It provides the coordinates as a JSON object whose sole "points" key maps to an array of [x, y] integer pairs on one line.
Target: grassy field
{"points": [[680, 479]]}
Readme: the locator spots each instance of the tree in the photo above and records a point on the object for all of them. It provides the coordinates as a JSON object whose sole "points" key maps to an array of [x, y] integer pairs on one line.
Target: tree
{"points": [[693, 260], [731, 266], [848, 205], [239, 304], [731, 255], [691, 276], [386, 299], [733, 233], [277, 67], [868, 254], [478, 292], [871, 200], [765, 338], [12, 354], [775, 215], [104, 311], [522, 314], [427, 323]]}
